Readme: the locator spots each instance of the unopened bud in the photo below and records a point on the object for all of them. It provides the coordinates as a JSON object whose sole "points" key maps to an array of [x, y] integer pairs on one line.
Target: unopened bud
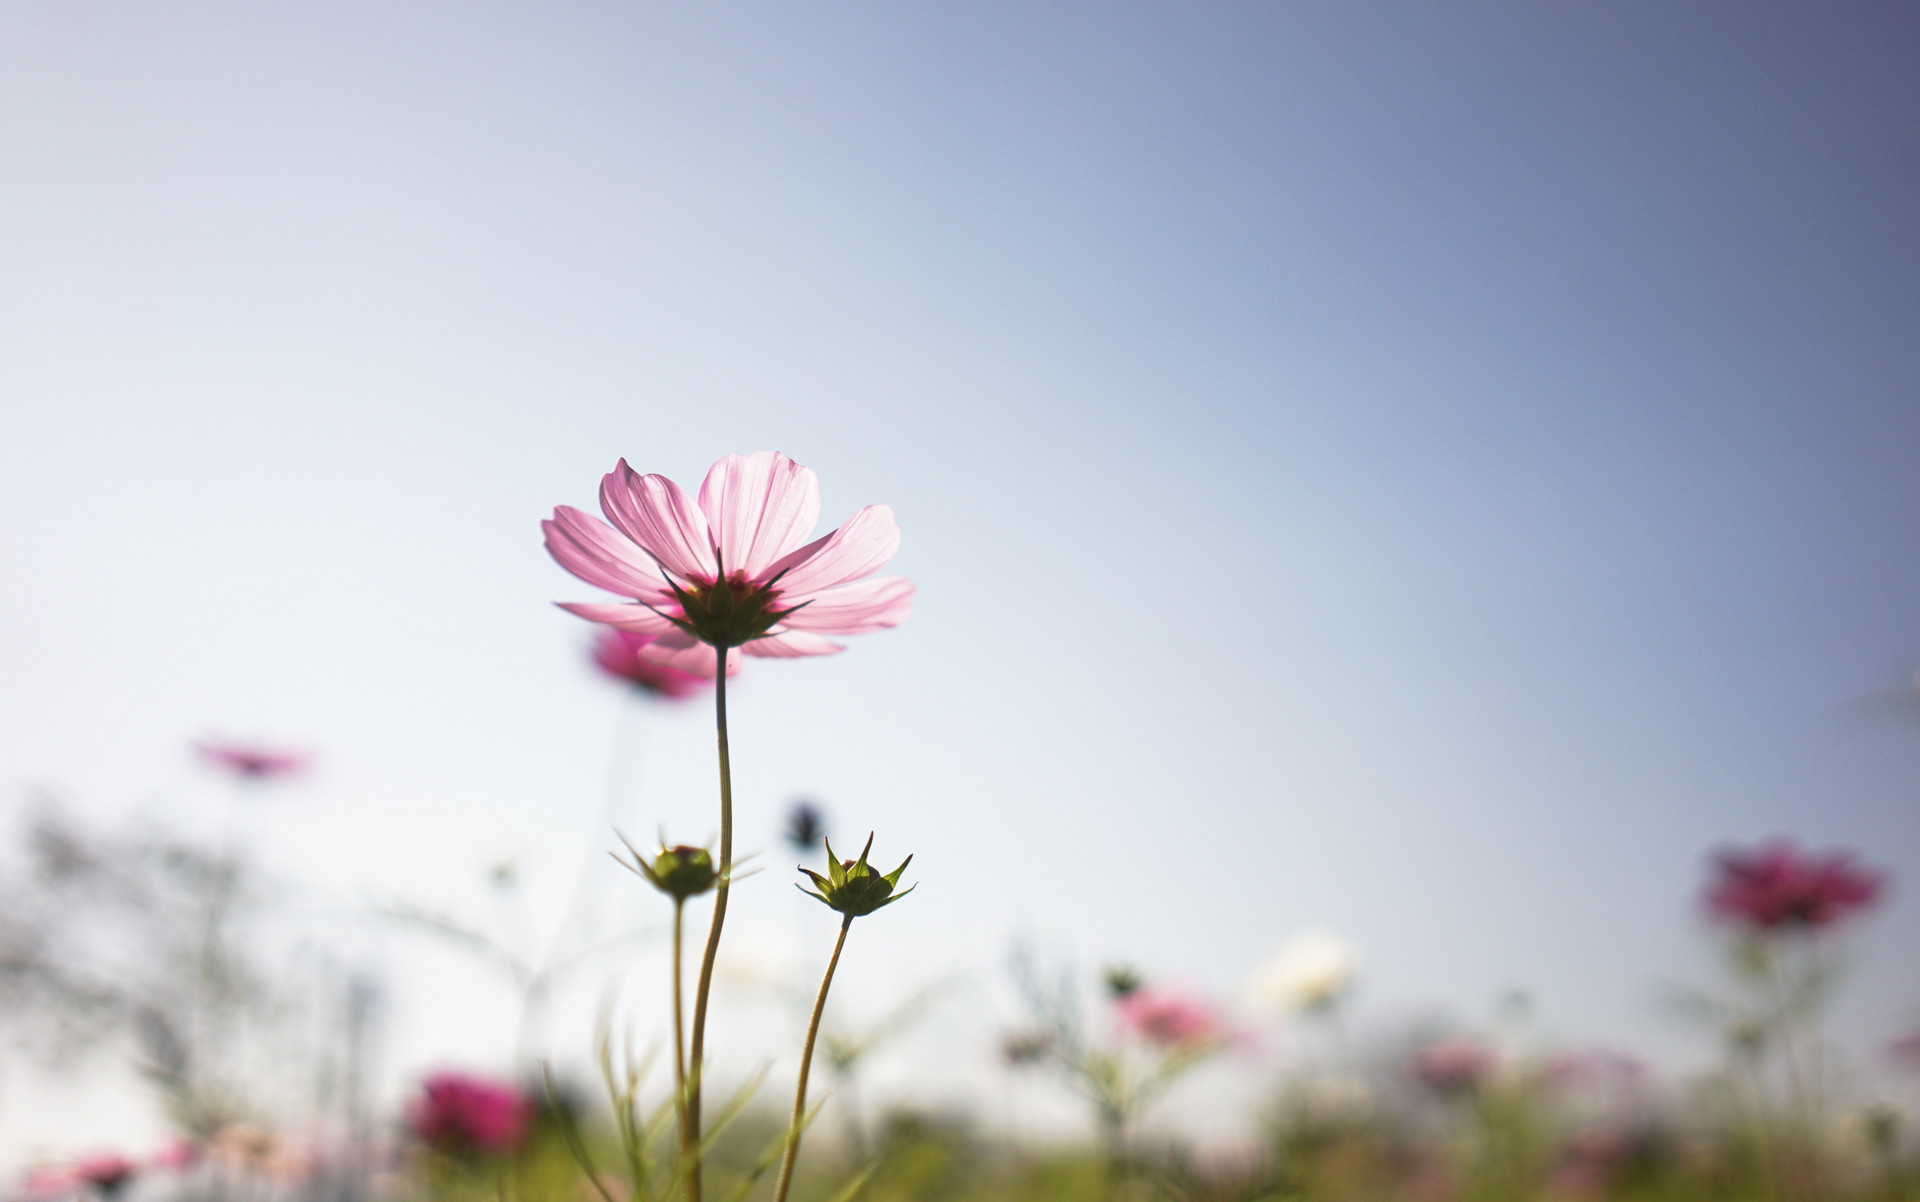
{"points": [[679, 872], [852, 887]]}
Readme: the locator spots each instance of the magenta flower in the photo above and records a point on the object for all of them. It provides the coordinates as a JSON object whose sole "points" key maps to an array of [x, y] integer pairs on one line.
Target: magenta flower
{"points": [[252, 762], [1170, 1020], [470, 1116], [1779, 887], [617, 652], [1453, 1065], [781, 593]]}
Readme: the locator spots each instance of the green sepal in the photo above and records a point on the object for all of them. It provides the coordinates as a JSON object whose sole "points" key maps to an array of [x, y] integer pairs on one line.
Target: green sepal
{"points": [[852, 886], [680, 872]]}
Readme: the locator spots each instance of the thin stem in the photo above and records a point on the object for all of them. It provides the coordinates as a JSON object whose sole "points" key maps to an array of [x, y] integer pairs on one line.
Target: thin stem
{"points": [[626, 756], [1785, 1023], [696, 1056], [806, 1062], [679, 1038], [1113, 1145], [852, 1117], [1747, 1064]]}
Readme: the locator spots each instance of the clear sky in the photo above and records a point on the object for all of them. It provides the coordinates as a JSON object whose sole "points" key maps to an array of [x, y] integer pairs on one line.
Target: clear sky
{"points": [[1430, 472]]}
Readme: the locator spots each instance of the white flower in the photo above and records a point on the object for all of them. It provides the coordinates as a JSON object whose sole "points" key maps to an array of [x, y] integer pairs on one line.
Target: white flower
{"points": [[1311, 971]]}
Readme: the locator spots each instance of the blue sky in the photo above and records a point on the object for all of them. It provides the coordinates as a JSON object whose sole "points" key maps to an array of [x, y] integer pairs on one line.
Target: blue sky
{"points": [[1433, 473]]}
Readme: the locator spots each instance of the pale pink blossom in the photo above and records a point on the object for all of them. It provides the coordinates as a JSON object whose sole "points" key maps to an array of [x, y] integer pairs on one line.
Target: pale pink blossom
{"points": [[1170, 1020], [1595, 1070], [105, 1171], [51, 1181], [1905, 1051], [174, 1154], [618, 654], [1454, 1065], [782, 594], [252, 761]]}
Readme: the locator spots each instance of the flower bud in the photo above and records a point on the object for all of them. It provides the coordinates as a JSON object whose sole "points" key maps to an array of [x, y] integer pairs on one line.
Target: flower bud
{"points": [[679, 872], [1122, 981], [852, 887]]}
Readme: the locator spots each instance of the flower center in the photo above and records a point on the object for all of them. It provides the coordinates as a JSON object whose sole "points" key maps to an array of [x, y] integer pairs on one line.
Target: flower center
{"points": [[729, 611]]}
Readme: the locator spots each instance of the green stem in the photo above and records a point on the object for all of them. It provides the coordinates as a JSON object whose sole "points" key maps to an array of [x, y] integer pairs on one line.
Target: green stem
{"points": [[1113, 1147], [679, 1038], [696, 1054], [1799, 1115], [806, 1062]]}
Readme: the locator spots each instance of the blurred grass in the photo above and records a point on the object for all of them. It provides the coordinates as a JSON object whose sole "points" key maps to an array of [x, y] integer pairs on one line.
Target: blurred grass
{"points": [[1501, 1146]]}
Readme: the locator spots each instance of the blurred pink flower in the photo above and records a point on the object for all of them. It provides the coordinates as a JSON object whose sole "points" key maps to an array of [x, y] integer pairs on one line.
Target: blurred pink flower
{"points": [[1778, 886], [753, 519], [1588, 1162], [1905, 1051], [468, 1116], [252, 762], [1453, 1065], [1170, 1020], [105, 1171], [1595, 1070], [174, 1154], [617, 652], [49, 1181]]}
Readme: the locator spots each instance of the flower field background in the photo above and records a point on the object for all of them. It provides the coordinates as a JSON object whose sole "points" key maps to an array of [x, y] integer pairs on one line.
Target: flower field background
{"points": [[762, 603], [267, 1082]]}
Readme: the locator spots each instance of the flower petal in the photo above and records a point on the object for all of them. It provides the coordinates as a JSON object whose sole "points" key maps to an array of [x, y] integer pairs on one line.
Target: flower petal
{"points": [[601, 555], [758, 508], [858, 548], [697, 659], [637, 618], [791, 644], [856, 608], [652, 511]]}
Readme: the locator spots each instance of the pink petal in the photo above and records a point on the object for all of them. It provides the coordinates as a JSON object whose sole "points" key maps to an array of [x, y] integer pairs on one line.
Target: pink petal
{"points": [[857, 608], [652, 511], [859, 548], [791, 644], [601, 555], [697, 658], [637, 618], [759, 507]]}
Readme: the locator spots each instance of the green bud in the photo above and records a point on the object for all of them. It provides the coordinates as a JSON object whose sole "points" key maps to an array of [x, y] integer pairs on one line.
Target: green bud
{"points": [[853, 888], [1122, 981], [679, 872]]}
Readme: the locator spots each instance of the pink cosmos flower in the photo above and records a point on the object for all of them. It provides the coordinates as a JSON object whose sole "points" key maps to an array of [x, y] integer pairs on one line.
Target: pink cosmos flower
{"points": [[256, 763], [1453, 1065], [1589, 1161], [105, 1171], [736, 569], [469, 1116], [1777, 886], [174, 1154], [1597, 1071], [50, 1182], [1905, 1051], [617, 652], [1170, 1020]]}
